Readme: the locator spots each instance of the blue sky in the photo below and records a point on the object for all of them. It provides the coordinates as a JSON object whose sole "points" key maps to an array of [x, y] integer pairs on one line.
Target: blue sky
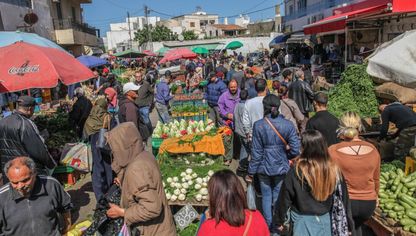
{"points": [[100, 13]]}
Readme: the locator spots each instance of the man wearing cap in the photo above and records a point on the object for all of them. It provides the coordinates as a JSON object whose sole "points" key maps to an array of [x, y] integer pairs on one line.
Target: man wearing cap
{"points": [[163, 97], [323, 121], [215, 89], [19, 136]]}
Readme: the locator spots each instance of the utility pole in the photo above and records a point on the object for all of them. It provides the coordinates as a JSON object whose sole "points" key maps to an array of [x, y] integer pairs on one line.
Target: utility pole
{"points": [[149, 42], [128, 22]]}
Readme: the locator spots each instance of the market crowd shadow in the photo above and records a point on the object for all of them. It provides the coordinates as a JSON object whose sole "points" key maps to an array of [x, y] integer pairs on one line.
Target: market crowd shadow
{"points": [[81, 198]]}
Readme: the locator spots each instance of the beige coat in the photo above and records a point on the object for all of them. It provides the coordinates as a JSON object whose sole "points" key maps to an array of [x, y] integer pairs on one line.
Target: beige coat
{"points": [[142, 193]]}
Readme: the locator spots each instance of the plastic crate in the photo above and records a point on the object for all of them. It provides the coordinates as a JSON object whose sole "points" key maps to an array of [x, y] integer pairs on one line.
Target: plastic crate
{"points": [[66, 175], [156, 142], [190, 116], [63, 169]]}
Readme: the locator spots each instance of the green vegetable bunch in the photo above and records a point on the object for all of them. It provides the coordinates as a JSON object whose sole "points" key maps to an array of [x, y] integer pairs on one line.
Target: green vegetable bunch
{"points": [[355, 92]]}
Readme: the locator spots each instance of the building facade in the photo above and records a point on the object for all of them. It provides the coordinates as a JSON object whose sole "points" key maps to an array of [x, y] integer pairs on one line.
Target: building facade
{"points": [[197, 22], [223, 30], [120, 33], [58, 20], [299, 13]]}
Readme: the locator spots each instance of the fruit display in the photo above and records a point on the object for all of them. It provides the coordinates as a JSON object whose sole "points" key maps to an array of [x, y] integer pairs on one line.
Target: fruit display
{"points": [[396, 196]]}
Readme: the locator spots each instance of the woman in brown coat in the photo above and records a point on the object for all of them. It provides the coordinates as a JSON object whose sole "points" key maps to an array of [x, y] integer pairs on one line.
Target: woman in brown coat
{"points": [[143, 202]]}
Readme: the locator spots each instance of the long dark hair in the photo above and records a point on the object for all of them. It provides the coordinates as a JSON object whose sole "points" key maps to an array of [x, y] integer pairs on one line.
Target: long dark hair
{"points": [[227, 199], [315, 166], [271, 104]]}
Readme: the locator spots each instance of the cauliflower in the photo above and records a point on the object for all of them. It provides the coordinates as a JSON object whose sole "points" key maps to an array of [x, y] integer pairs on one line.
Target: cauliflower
{"points": [[199, 180], [169, 180], [175, 179], [204, 184], [204, 197], [173, 198], [172, 185], [210, 173], [183, 191], [188, 177], [168, 196], [183, 174], [189, 170], [178, 185], [198, 197], [181, 197], [185, 185], [177, 192], [203, 191], [194, 175], [190, 182], [197, 186]]}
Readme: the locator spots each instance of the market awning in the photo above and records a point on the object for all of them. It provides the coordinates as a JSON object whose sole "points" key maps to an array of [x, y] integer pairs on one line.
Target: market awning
{"points": [[278, 40], [338, 21]]}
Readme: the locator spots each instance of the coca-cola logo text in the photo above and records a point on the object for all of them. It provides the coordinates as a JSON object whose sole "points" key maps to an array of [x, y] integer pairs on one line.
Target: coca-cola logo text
{"points": [[23, 70]]}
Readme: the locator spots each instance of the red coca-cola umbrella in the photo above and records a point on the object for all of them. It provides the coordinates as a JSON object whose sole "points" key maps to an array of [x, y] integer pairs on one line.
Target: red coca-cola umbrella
{"points": [[24, 66], [178, 53]]}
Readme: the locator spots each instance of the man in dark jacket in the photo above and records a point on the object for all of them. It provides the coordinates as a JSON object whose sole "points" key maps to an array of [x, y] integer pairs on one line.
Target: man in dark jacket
{"points": [[163, 97], [323, 121], [19, 136], [215, 89], [144, 99], [80, 111], [128, 110], [302, 93]]}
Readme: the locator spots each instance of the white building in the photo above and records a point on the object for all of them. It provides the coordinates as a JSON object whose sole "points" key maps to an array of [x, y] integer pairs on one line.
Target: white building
{"points": [[242, 20], [119, 32], [299, 13], [196, 22]]}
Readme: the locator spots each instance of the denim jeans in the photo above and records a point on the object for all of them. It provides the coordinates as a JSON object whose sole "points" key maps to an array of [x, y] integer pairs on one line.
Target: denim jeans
{"points": [[311, 225], [270, 188], [163, 112], [144, 113]]}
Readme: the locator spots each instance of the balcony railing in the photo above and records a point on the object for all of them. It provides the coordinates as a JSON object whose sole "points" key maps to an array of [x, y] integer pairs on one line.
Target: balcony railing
{"points": [[314, 8], [62, 24], [20, 3]]}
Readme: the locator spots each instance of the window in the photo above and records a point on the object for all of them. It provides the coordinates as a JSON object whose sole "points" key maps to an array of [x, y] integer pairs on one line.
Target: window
{"points": [[74, 15], [1, 23], [290, 9], [192, 24], [58, 10]]}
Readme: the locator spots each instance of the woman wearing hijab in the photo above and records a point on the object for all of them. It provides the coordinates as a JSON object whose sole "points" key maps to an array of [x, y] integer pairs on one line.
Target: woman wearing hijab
{"points": [[144, 206], [112, 99], [102, 175]]}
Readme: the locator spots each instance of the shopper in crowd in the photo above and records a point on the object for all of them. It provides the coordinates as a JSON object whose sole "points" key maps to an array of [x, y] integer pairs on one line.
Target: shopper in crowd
{"points": [[323, 121], [360, 164], [287, 78], [253, 109], [275, 69], [215, 88], [31, 204], [240, 134], [290, 110], [308, 189], [102, 176], [163, 97], [227, 102], [228, 213], [112, 82], [99, 82], [405, 120], [250, 83], [301, 92], [144, 206], [144, 99], [239, 76], [221, 68], [19, 136], [230, 73], [80, 111], [275, 142]]}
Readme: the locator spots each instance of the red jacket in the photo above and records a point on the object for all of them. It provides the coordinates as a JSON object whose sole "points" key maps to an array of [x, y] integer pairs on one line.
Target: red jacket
{"points": [[258, 227]]}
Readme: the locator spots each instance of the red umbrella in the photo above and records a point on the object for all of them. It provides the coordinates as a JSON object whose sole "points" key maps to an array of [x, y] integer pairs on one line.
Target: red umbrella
{"points": [[149, 53], [177, 53], [24, 66]]}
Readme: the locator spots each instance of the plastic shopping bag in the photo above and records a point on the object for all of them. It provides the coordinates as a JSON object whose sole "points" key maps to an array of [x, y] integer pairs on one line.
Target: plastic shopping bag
{"points": [[79, 157], [124, 231], [251, 197]]}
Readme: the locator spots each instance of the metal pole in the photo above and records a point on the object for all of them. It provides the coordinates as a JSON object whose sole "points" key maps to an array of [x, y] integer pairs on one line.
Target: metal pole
{"points": [[346, 46], [146, 14], [128, 22]]}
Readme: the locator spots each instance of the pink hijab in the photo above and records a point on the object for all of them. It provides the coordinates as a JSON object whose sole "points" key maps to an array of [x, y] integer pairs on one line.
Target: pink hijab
{"points": [[112, 95]]}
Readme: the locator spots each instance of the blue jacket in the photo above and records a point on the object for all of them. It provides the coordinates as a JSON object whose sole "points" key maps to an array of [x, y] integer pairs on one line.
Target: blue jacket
{"points": [[268, 152], [162, 93], [214, 91]]}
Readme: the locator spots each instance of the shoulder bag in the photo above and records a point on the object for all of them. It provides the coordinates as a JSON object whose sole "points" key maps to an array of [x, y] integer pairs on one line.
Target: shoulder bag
{"points": [[278, 134]]}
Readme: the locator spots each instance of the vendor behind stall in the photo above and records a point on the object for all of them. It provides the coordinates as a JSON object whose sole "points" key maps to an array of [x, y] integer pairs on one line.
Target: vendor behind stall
{"points": [[405, 120]]}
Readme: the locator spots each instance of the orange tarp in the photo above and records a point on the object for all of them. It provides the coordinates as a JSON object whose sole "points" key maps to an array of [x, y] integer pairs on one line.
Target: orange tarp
{"points": [[212, 145]]}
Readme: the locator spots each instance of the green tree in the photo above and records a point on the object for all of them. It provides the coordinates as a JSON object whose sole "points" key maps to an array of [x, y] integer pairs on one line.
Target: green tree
{"points": [[158, 33], [189, 35]]}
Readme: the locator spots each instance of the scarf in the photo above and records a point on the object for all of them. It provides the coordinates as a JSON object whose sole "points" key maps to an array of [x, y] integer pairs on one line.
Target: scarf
{"points": [[112, 96]]}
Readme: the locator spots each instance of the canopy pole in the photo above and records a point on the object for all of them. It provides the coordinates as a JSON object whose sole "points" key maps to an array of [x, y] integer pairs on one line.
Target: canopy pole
{"points": [[346, 46]]}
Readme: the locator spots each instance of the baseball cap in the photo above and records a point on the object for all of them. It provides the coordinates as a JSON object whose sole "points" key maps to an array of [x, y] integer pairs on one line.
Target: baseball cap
{"points": [[130, 86], [26, 101]]}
